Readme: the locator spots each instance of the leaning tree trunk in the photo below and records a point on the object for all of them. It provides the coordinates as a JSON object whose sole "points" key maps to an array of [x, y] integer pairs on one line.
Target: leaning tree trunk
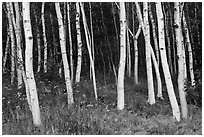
{"points": [[89, 50], [6, 52], [167, 76], [11, 31], [29, 64], [181, 63], [121, 69], [156, 46], [79, 44], [64, 56], [44, 37]]}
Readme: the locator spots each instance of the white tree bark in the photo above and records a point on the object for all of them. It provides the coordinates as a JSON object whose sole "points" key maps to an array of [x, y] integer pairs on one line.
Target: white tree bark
{"points": [[44, 37], [167, 76], [156, 66], [121, 69], [181, 62], [70, 41], [17, 28], [64, 55], [29, 65], [79, 44], [88, 42], [156, 46], [151, 97], [190, 53], [136, 55]]}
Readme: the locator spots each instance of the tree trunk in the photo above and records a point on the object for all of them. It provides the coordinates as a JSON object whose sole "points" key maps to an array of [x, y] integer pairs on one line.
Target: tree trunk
{"points": [[6, 51], [38, 41], [167, 76], [44, 37], [17, 28], [79, 43], [70, 42], [89, 50], [181, 77], [121, 69], [136, 55], [190, 54], [156, 46], [29, 65], [70, 98], [166, 25], [151, 97], [11, 31]]}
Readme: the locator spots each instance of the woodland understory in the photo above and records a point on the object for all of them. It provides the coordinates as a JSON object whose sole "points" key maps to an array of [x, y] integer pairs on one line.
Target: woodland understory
{"points": [[115, 68]]}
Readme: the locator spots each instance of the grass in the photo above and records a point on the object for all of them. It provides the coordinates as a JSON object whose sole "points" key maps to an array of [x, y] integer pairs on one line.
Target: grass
{"points": [[88, 117]]}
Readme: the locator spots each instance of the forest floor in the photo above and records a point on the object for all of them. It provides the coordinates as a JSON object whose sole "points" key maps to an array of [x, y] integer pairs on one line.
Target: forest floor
{"points": [[88, 117]]}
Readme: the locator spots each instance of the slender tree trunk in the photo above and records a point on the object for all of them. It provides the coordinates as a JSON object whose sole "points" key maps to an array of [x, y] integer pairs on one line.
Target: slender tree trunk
{"points": [[11, 31], [70, 98], [70, 41], [128, 56], [38, 41], [17, 28], [121, 69], [173, 43], [79, 43], [168, 39], [181, 75], [156, 45], [190, 54], [136, 55], [6, 50], [29, 65], [156, 66], [167, 76], [44, 37], [88, 42]]}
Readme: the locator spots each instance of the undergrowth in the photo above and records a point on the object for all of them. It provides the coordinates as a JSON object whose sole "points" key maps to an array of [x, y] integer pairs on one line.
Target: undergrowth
{"points": [[90, 117]]}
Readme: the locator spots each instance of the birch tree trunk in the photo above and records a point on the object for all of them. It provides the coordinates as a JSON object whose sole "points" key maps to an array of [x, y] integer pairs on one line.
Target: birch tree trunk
{"points": [[17, 31], [29, 65], [151, 97], [64, 56], [11, 31], [89, 50], [44, 37], [156, 46], [6, 51], [190, 54], [181, 78], [136, 55], [79, 44], [70, 42], [167, 76], [19, 53], [121, 69]]}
